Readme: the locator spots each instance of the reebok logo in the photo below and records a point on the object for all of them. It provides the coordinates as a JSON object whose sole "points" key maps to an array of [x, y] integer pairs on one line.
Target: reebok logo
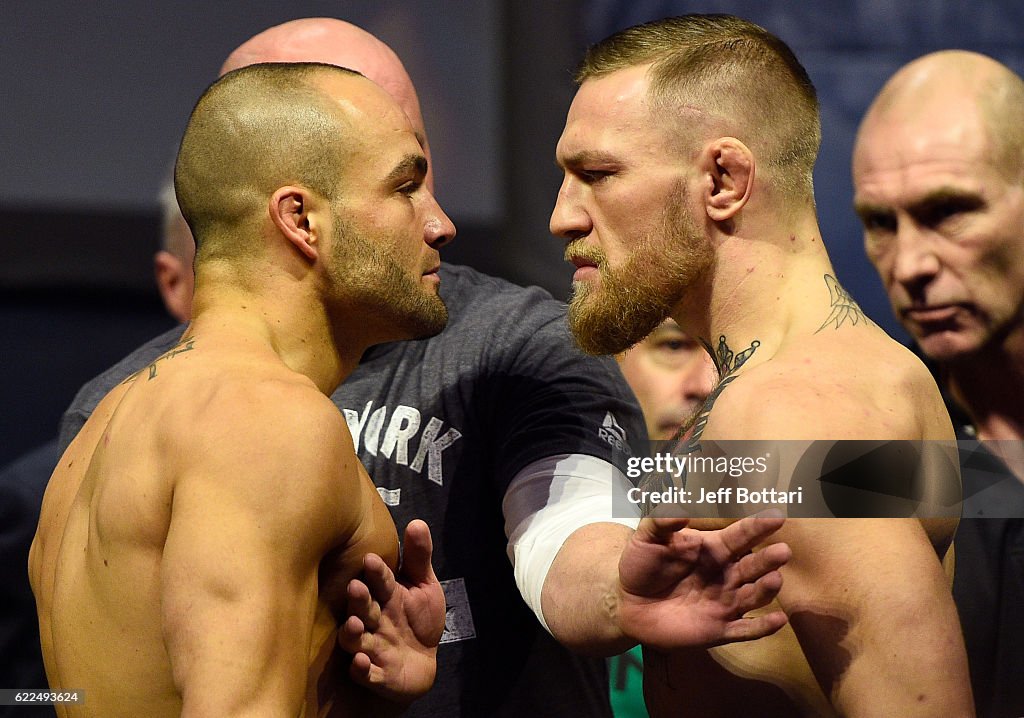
{"points": [[614, 434]]}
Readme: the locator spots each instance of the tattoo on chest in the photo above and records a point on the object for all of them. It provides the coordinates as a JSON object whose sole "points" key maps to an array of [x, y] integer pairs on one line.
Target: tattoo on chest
{"points": [[185, 345], [727, 363], [843, 306]]}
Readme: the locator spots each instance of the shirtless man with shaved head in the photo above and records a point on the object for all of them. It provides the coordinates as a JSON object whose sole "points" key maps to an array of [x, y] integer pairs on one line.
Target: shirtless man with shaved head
{"points": [[938, 170], [198, 536]]}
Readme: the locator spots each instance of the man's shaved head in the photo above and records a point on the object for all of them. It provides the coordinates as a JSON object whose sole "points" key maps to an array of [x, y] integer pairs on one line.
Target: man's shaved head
{"points": [[941, 87], [335, 42], [254, 130]]}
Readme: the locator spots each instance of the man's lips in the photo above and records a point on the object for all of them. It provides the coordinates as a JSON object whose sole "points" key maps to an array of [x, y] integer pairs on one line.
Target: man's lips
{"points": [[432, 274], [581, 262], [584, 268], [931, 314]]}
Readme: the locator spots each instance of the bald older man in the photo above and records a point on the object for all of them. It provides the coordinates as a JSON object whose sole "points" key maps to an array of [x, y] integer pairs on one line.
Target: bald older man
{"points": [[938, 169], [509, 442]]}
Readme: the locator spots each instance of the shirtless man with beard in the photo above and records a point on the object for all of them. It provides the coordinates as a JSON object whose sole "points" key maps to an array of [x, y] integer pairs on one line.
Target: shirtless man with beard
{"points": [[687, 155]]}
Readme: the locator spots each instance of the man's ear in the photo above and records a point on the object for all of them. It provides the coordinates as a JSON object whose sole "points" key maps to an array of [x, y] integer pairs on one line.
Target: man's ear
{"points": [[290, 209], [729, 166], [174, 280]]}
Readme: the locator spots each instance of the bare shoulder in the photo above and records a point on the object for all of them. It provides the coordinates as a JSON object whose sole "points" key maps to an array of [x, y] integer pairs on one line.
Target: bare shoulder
{"points": [[847, 385], [274, 440], [254, 413]]}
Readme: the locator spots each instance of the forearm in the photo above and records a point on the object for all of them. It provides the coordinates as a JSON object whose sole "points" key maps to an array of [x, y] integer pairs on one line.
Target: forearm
{"points": [[579, 594], [565, 546]]}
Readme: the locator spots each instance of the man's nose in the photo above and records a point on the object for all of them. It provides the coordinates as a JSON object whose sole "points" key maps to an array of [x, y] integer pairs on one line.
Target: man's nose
{"points": [[914, 262], [569, 219]]}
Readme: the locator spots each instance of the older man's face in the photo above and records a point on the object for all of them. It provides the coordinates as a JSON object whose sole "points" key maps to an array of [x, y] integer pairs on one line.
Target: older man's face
{"points": [[943, 220]]}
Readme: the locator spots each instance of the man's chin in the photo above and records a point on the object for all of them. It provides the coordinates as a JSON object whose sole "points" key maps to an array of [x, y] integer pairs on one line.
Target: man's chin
{"points": [[419, 315], [434, 317], [948, 346], [600, 333]]}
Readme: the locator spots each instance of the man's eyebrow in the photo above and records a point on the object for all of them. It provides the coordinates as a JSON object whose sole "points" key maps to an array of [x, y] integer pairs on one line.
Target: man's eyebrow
{"points": [[947, 194], [934, 198], [870, 208], [583, 158], [411, 163]]}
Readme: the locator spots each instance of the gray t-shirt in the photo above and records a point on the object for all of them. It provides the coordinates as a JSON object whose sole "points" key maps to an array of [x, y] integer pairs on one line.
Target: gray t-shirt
{"points": [[442, 425]]}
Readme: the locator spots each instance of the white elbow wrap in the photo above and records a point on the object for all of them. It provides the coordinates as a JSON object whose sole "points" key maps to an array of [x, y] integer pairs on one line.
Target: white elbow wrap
{"points": [[546, 502]]}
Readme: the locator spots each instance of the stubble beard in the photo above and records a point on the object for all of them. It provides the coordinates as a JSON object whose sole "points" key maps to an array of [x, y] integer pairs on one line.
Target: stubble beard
{"points": [[370, 278], [634, 298]]}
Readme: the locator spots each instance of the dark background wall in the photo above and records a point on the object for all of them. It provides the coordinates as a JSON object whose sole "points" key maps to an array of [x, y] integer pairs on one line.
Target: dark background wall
{"points": [[95, 96]]}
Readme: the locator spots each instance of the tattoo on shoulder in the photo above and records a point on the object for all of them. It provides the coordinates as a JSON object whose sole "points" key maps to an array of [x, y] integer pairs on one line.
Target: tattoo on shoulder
{"points": [[186, 344], [843, 306]]}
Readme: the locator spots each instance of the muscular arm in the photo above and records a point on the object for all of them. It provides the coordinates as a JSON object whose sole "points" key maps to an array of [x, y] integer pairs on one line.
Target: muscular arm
{"points": [[872, 610], [254, 511], [867, 598], [578, 588], [565, 548]]}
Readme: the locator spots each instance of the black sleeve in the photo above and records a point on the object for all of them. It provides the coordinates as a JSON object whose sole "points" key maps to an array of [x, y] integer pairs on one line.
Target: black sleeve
{"points": [[550, 398], [22, 485]]}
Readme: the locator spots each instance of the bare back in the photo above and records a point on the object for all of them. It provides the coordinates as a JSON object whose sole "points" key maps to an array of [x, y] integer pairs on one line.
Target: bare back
{"points": [[209, 514], [856, 589]]}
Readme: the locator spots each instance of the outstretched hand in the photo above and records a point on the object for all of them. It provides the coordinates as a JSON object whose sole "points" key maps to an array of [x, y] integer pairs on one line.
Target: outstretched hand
{"points": [[679, 587], [395, 625]]}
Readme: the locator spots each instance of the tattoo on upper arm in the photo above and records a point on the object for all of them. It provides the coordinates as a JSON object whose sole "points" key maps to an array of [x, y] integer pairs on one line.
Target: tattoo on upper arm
{"points": [[185, 345], [843, 306]]}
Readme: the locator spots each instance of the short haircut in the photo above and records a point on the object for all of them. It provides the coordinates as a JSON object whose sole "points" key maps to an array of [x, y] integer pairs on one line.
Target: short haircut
{"points": [[255, 129], [731, 69]]}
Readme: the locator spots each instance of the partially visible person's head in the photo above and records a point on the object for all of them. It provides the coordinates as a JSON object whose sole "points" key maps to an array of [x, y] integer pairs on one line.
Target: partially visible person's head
{"points": [[672, 122], [938, 171], [336, 42], [319, 170], [173, 261], [671, 375]]}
